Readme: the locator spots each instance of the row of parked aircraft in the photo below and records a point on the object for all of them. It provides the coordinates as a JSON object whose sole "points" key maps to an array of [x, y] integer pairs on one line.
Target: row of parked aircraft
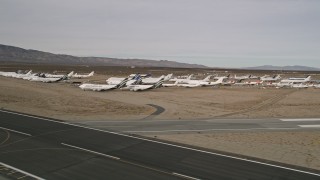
{"points": [[44, 77], [140, 82]]}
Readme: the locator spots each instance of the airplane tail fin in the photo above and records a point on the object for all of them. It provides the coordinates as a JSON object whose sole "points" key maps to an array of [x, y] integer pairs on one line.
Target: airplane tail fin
{"points": [[189, 77], [220, 80], [65, 77], [70, 74], [29, 73], [207, 78], [158, 84], [138, 78], [228, 75], [168, 77], [308, 78], [91, 74]]}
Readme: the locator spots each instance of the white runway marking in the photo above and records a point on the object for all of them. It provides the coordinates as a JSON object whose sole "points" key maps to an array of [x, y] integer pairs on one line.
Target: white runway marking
{"points": [[168, 144], [94, 152], [310, 126], [15, 131], [21, 171], [309, 119], [185, 176], [202, 130]]}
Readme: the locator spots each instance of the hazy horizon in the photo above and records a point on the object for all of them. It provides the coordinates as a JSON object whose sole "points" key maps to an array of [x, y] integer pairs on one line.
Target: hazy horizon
{"points": [[231, 33]]}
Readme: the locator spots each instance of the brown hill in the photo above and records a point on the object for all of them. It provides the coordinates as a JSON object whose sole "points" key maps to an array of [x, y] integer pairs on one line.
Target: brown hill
{"points": [[19, 55]]}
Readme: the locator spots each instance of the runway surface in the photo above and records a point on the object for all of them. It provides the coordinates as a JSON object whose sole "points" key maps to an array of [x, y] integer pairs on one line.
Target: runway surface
{"points": [[49, 149], [204, 125]]}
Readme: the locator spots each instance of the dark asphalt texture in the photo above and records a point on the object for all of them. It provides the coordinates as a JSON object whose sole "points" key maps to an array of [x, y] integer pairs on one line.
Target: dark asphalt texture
{"points": [[49, 153]]}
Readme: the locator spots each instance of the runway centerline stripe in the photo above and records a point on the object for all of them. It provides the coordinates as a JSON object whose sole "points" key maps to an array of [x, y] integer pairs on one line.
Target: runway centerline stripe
{"points": [[168, 144], [116, 158], [93, 152], [310, 126], [16, 131], [21, 171], [198, 130], [294, 120], [185, 176]]}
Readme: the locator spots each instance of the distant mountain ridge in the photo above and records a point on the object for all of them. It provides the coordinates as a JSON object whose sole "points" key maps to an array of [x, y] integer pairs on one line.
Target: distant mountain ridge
{"points": [[284, 68], [20, 55]]}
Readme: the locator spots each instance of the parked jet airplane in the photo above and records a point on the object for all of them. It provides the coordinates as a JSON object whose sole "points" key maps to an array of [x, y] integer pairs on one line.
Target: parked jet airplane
{"points": [[268, 78], [218, 77], [79, 76], [204, 82], [112, 83], [21, 76], [181, 80], [300, 86], [142, 87], [296, 80], [241, 77], [13, 74], [151, 80], [58, 75], [48, 80], [97, 87], [149, 84]]}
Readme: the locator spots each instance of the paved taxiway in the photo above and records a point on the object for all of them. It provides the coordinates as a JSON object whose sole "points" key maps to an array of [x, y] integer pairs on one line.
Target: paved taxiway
{"points": [[57, 150], [204, 125]]}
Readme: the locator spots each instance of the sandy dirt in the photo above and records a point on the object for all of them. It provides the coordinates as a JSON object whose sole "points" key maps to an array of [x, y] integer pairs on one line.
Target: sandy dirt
{"points": [[296, 148]]}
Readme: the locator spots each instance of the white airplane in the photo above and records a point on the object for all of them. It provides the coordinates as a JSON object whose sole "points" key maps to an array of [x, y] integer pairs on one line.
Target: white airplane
{"points": [[131, 76], [204, 82], [254, 77], [317, 86], [296, 80], [18, 75], [47, 80], [35, 75], [79, 76], [142, 87], [152, 84], [58, 75], [206, 79], [113, 83], [268, 78], [250, 83], [181, 80], [283, 84], [168, 77], [151, 80], [300, 86], [8, 74], [241, 77], [218, 77], [116, 81], [97, 87], [170, 84]]}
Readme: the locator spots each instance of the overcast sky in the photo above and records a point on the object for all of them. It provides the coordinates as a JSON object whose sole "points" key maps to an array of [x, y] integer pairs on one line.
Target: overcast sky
{"points": [[218, 33]]}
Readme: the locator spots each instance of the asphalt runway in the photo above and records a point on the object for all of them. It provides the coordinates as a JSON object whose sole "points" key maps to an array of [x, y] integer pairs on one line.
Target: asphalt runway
{"points": [[204, 125], [49, 149]]}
